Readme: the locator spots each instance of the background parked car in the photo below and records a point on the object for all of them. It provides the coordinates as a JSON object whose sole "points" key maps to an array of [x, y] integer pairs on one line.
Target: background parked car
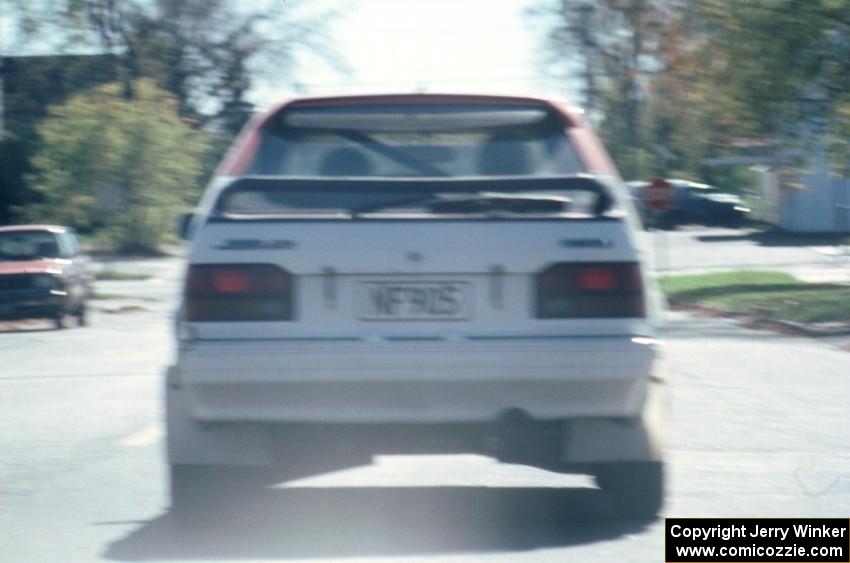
{"points": [[43, 274], [693, 203]]}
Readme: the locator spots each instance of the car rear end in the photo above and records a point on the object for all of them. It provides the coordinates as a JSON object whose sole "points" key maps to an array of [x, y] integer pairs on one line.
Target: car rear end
{"points": [[424, 291]]}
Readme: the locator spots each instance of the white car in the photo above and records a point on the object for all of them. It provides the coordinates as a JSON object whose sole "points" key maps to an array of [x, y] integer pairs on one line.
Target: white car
{"points": [[415, 273]]}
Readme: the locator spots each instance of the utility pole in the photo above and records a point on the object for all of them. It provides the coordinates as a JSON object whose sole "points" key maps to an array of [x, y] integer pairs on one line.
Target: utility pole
{"points": [[632, 86], [588, 47], [2, 122]]}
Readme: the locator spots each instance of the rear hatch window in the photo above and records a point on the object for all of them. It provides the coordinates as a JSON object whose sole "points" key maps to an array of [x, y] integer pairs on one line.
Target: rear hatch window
{"points": [[28, 245], [416, 140]]}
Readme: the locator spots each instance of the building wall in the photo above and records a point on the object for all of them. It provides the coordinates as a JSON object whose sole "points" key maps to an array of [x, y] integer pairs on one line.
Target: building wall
{"points": [[817, 201]]}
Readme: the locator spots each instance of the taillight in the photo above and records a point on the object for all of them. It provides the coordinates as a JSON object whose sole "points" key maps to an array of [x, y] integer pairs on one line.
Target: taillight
{"points": [[590, 290], [237, 292]]}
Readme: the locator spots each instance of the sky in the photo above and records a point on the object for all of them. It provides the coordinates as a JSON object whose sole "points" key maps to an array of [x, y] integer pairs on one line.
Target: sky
{"points": [[429, 45]]}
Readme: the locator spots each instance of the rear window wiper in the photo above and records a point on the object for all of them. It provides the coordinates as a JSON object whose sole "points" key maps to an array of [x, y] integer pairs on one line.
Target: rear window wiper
{"points": [[392, 153], [478, 202]]}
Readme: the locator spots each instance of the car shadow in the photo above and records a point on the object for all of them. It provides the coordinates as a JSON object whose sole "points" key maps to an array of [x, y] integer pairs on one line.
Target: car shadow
{"points": [[316, 523], [776, 238]]}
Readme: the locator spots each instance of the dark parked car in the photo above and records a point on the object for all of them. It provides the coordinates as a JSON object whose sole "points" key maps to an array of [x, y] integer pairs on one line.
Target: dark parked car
{"points": [[43, 274], [692, 203]]}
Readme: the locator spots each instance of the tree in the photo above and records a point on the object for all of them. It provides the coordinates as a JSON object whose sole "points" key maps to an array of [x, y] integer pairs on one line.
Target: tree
{"points": [[778, 72], [617, 44], [692, 116], [788, 61], [206, 53], [202, 51], [674, 84], [125, 166]]}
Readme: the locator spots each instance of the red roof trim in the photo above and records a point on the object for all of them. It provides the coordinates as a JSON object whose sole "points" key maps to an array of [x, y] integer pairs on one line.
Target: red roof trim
{"points": [[421, 98]]}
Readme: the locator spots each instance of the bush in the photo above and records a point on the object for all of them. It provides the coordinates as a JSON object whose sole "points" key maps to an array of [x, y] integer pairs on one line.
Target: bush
{"points": [[120, 167]]}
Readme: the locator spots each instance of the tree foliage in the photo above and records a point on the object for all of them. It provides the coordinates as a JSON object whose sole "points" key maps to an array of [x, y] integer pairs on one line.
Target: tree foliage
{"points": [[675, 83], [619, 44], [207, 54], [122, 165], [202, 51], [787, 64]]}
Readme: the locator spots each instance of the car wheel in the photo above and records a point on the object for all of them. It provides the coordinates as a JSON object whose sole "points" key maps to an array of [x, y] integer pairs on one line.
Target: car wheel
{"points": [[636, 488], [59, 320], [82, 318], [736, 222], [667, 222]]}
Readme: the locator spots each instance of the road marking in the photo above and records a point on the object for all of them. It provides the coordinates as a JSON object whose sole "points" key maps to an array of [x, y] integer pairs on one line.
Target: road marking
{"points": [[145, 437]]}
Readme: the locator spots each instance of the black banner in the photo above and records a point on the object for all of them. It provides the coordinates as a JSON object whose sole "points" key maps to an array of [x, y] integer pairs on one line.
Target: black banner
{"points": [[757, 540]]}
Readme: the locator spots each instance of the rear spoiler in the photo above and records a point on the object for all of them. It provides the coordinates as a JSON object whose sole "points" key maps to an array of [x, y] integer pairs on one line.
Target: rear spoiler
{"points": [[582, 182]]}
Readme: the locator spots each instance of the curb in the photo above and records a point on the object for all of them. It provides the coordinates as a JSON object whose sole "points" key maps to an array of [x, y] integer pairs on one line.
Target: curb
{"points": [[817, 329], [753, 320]]}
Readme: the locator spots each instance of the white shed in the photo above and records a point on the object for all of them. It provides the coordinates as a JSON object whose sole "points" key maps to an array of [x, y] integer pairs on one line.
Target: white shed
{"points": [[805, 201]]}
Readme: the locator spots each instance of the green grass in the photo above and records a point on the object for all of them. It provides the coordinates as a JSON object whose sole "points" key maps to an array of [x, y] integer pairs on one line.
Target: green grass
{"points": [[772, 295], [695, 286], [116, 275]]}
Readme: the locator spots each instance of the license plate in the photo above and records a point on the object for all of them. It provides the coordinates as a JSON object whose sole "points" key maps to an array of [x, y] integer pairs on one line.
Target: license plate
{"points": [[390, 301]]}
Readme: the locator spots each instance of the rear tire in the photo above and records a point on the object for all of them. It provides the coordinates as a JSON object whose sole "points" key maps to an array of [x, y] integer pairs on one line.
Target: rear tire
{"points": [[81, 315], [668, 222], [59, 320], [735, 222], [637, 488]]}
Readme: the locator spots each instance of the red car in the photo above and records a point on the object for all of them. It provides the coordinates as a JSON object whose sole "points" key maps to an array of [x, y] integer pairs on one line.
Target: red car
{"points": [[43, 274]]}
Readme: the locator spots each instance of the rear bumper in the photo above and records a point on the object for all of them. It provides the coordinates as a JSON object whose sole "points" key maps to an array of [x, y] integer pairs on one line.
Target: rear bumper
{"points": [[414, 381]]}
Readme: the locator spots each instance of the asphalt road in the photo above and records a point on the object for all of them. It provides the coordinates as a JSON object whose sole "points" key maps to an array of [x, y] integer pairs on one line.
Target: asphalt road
{"points": [[760, 426], [694, 249]]}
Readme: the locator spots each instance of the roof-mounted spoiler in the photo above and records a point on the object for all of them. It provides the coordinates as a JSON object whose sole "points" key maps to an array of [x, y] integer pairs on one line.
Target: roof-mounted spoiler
{"points": [[508, 184]]}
